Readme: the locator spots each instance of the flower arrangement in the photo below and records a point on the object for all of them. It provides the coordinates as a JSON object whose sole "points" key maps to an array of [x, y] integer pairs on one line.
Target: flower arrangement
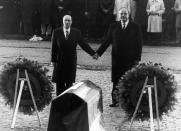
{"points": [[131, 84], [40, 83]]}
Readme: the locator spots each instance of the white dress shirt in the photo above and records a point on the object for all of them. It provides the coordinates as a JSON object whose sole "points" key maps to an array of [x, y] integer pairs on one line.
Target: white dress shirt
{"points": [[126, 24], [65, 30]]}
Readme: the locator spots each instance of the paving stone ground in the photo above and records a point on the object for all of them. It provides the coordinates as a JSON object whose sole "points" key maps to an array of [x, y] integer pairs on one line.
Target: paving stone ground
{"points": [[114, 118]]}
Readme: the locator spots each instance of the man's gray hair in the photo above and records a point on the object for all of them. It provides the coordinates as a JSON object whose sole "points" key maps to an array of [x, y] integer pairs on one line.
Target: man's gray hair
{"points": [[66, 16], [124, 8]]}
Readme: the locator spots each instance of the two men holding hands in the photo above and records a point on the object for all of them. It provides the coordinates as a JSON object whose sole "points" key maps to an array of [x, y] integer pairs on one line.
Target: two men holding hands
{"points": [[125, 37]]}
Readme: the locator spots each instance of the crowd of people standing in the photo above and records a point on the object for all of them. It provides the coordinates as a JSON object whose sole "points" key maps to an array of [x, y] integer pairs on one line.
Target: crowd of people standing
{"points": [[93, 18], [159, 19], [40, 17]]}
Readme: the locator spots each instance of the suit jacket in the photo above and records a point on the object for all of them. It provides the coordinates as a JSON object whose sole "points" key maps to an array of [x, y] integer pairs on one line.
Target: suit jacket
{"points": [[126, 47], [64, 54]]}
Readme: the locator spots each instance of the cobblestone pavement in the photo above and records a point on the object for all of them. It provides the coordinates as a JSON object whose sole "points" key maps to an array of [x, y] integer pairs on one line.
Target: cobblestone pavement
{"points": [[114, 118], [40, 51]]}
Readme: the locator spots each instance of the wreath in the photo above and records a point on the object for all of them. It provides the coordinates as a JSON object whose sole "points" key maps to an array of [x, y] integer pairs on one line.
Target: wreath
{"points": [[40, 83], [131, 84]]}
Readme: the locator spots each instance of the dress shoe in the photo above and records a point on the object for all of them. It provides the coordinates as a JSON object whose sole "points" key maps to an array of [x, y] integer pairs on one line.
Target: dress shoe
{"points": [[114, 104]]}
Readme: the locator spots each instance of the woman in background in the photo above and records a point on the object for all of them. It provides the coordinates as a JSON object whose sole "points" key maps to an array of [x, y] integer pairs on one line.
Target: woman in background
{"points": [[155, 9]]}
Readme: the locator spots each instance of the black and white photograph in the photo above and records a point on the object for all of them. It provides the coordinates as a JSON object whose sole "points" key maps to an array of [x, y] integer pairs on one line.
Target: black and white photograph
{"points": [[90, 65]]}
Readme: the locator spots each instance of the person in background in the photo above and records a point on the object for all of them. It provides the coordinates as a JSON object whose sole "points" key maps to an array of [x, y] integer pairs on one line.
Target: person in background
{"points": [[105, 17], [59, 9], [126, 39], [133, 9], [155, 9], [57, 13], [36, 26], [64, 54], [79, 12], [168, 21], [28, 9], [141, 18], [177, 8], [45, 15]]}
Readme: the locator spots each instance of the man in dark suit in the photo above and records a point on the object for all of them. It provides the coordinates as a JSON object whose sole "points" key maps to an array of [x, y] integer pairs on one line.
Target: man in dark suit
{"points": [[126, 40], [64, 54]]}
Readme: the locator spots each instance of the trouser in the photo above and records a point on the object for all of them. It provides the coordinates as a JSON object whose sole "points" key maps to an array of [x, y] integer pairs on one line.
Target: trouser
{"points": [[144, 32], [36, 23], [155, 37], [46, 29], [36, 29], [116, 77], [62, 86], [114, 93], [178, 31], [27, 28]]}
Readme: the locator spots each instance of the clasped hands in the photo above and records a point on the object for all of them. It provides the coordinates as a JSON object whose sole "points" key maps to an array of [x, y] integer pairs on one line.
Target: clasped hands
{"points": [[95, 56]]}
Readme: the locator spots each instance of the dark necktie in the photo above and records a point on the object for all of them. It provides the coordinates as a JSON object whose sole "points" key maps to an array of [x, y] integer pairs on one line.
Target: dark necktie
{"points": [[66, 35], [124, 26]]}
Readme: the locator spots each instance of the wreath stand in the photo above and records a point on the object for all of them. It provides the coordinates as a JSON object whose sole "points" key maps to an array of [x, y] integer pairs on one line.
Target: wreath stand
{"points": [[17, 102], [148, 87]]}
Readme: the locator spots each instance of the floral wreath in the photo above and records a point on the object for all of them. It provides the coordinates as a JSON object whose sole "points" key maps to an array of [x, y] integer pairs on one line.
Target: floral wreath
{"points": [[40, 83], [131, 84]]}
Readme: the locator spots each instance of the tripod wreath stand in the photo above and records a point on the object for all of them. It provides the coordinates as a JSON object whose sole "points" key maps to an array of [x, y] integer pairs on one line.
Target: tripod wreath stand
{"points": [[25, 87], [148, 88], [17, 99], [146, 92]]}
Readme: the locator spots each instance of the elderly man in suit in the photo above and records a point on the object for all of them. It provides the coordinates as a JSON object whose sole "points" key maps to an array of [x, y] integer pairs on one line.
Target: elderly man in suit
{"points": [[126, 40], [64, 55]]}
